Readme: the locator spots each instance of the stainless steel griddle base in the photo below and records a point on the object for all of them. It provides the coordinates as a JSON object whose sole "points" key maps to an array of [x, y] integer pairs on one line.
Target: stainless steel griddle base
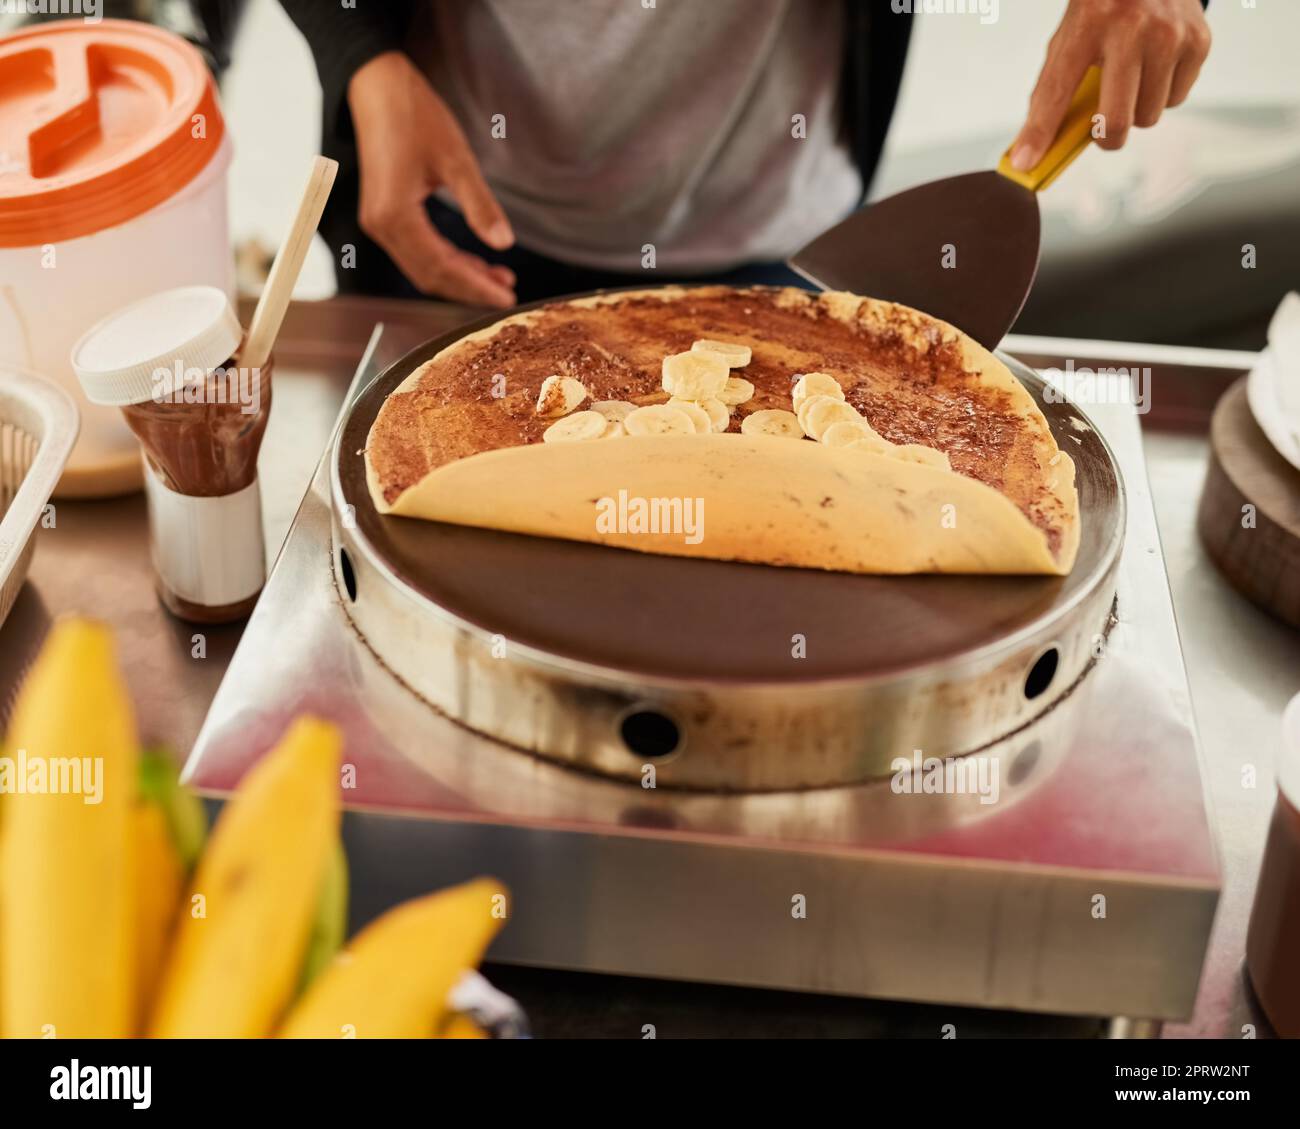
{"points": [[551, 646], [1087, 888]]}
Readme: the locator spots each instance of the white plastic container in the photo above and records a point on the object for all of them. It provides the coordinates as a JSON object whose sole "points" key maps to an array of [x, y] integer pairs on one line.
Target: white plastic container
{"points": [[122, 195], [38, 425]]}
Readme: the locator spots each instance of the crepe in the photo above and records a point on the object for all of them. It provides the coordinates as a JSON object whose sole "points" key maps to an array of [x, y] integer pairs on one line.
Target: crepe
{"points": [[460, 440]]}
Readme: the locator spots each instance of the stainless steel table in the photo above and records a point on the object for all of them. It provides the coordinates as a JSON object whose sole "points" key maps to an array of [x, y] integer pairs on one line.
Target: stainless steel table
{"points": [[1242, 666]]}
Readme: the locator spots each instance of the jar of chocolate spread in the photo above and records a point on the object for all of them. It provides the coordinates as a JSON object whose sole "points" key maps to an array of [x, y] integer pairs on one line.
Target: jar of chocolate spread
{"points": [[171, 363]]}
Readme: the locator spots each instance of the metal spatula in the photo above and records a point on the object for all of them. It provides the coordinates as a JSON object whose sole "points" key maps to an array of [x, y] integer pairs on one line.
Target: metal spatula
{"points": [[963, 249]]}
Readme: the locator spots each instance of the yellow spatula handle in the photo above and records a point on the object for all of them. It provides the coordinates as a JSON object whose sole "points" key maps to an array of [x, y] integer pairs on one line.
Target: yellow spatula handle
{"points": [[1071, 140]]}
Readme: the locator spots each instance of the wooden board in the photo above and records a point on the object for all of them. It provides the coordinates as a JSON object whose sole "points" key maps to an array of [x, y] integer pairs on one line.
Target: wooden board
{"points": [[1249, 517]]}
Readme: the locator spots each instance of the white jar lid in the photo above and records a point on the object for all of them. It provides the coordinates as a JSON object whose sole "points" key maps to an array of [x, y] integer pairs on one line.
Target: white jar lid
{"points": [[136, 353]]}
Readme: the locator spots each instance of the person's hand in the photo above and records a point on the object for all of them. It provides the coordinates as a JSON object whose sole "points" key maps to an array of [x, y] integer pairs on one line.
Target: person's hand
{"points": [[1150, 52], [408, 144]]}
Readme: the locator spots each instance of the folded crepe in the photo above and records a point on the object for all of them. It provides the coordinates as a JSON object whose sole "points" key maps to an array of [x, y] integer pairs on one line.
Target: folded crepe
{"points": [[913, 449]]}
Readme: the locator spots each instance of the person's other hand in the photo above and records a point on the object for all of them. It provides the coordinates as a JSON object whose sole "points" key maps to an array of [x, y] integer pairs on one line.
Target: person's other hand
{"points": [[1150, 52], [408, 144]]}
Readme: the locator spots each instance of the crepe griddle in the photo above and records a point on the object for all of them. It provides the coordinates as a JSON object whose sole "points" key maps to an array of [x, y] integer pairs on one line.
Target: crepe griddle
{"points": [[645, 627]]}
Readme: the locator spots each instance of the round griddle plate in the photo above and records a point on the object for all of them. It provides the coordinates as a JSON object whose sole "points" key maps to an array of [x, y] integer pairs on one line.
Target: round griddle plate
{"points": [[681, 618]]}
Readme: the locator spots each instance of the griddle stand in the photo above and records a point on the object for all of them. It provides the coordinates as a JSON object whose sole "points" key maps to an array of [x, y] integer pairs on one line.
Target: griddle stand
{"points": [[1090, 891]]}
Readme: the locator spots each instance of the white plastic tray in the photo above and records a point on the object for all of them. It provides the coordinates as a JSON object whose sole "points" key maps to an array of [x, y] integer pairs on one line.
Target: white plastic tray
{"points": [[38, 426]]}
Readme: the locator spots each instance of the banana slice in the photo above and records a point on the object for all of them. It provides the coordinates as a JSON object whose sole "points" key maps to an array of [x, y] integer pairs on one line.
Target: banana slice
{"points": [[801, 412], [919, 453], [698, 416], [815, 384], [825, 412], [718, 412], [616, 410], [575, 428], [559, 396], [734, 356], [614, 429], [659, 419], [737, 390], [804, 412], [772, 421], [850, 431], [694, 376]]}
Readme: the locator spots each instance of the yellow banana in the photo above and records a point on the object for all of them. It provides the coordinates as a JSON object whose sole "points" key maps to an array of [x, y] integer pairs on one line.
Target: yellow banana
{"points": [[242, 934], [66, 965], [460, 1026], [160, 881], [393, 980], [329, 927]]}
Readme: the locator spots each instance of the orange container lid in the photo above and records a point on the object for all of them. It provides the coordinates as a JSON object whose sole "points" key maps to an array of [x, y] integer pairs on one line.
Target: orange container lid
{"points": [[98, 123]]}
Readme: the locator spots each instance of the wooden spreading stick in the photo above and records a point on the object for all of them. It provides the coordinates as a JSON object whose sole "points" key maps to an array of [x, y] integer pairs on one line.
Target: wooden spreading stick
{"points": [[271, 307]]}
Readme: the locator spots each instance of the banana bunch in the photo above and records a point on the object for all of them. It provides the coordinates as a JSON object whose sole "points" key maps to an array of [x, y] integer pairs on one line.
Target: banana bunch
{"points": [[117, 919]]}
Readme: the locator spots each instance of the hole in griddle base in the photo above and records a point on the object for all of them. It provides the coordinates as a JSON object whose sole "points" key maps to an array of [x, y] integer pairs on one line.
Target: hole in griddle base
{"points": [[349, 577], [648, 733], [1041, 673]]}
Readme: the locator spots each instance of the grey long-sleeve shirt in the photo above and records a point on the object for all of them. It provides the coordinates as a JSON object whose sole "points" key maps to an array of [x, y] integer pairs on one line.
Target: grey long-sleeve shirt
{"points": [[710, 131]]}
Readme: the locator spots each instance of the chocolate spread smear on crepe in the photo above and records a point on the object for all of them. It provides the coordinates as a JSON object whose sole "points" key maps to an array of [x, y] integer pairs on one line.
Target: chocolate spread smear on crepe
{"points": [[460, 439]]}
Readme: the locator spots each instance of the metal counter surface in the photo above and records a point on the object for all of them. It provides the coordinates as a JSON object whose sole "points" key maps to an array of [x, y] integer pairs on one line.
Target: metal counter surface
{"points": [[1242, 668]]}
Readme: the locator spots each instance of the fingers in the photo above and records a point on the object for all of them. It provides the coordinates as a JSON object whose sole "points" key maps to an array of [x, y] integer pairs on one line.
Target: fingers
{"points": [[1150, 52], [1153, 93], [452, 162], [1165, 44], [1068, 59], [1121, 77], [503, 275], [1149, 66], [434, 265], [467, 278], [482, 212], [1189, 66]]}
